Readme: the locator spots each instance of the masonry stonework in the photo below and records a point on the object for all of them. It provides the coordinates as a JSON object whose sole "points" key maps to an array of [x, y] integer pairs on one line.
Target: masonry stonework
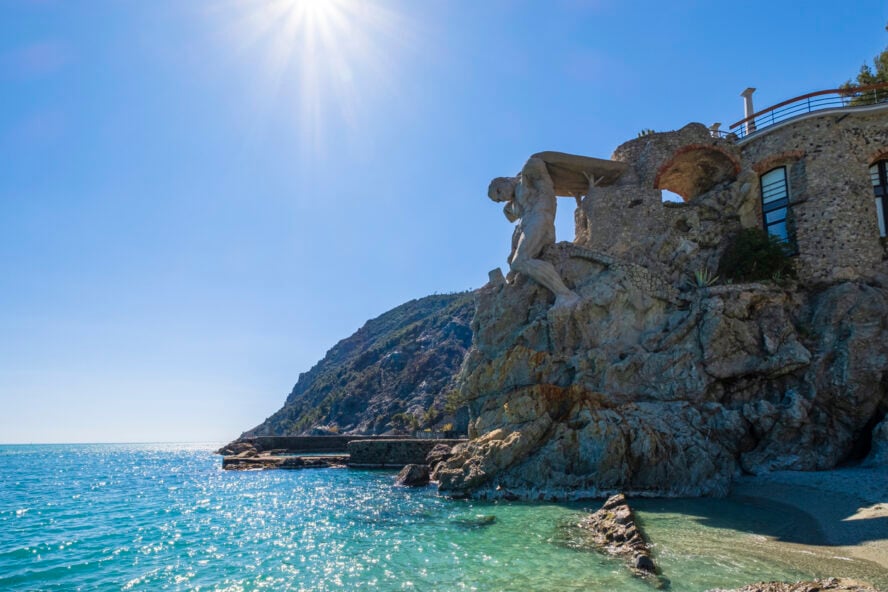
{"points": [[831, 197], [831, 215]]}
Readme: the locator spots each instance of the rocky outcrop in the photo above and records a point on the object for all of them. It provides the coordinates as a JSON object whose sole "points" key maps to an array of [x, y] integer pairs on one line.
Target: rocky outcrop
{"points": [[830, 584], [393, 375], [652, 392], [381, 453], [255, 461], [413, 476], [438, 454], [615, 532], [239, 448]]}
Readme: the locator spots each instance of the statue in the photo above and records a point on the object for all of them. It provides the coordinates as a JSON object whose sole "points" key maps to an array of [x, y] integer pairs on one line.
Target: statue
{"points": [[530, 199]]}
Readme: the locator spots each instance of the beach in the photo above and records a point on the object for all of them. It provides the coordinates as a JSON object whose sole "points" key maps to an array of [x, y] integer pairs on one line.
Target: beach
{"points": [[848, 508]]}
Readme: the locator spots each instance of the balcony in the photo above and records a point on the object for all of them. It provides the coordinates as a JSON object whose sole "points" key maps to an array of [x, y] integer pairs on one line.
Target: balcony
{"points": [[823, 100]]}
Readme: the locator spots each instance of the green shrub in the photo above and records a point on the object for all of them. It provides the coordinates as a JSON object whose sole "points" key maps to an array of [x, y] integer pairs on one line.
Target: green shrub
{"points": [[453, 402], [404, 421], [754, 255]]}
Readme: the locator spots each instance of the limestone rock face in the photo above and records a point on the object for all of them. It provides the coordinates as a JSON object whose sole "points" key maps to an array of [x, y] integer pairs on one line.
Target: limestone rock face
{"points": [[642, 389]]}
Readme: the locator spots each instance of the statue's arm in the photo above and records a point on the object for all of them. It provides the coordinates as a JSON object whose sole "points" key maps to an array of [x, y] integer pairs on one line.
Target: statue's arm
{"points": [[512, 211], [536, 174]]}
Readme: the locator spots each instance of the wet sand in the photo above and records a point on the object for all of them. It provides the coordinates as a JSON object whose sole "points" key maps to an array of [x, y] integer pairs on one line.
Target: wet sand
{"points": [[849, 507]]}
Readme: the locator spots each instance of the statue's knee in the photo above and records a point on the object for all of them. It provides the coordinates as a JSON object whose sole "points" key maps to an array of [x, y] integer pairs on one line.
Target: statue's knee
{"points": [[518, 266]]}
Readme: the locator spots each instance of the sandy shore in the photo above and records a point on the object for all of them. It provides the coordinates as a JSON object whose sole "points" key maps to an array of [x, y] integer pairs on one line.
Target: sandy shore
{"points": [[849, 506]]}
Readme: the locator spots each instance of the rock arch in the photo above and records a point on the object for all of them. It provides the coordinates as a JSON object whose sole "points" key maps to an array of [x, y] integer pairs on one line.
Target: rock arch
{"points": [[695, 169]]}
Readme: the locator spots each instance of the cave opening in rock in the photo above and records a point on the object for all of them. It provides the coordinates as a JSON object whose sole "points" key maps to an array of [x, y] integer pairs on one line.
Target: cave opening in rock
{"points": [[864, 442]]}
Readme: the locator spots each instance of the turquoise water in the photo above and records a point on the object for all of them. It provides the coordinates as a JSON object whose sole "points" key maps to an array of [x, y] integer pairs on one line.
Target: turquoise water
{"points": [[166, 517]]}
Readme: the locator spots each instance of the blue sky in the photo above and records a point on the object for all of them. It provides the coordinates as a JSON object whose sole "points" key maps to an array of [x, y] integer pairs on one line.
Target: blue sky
{"points": [[198, 199]]}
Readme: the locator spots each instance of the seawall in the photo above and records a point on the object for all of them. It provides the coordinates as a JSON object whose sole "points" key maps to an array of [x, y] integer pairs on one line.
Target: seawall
{"points": [[392, 453], [326, 444]]}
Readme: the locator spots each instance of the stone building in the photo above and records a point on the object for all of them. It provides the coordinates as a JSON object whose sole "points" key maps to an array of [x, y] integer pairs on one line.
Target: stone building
{"points": [[816, 179]]}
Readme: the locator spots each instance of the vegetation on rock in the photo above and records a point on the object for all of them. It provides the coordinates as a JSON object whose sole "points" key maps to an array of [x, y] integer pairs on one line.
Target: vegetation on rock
{"points": [[754, 255]]}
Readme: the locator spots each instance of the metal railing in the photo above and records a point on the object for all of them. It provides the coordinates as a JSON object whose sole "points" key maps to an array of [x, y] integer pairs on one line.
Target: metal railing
{"points": [[815, 101]]}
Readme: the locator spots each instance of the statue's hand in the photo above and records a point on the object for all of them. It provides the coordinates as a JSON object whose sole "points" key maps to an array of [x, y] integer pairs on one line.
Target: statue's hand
{"points": [[511, 211]]}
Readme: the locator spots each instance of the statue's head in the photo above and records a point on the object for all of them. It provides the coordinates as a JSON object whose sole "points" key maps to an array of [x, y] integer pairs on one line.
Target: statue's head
{"points": [[502, 189]]}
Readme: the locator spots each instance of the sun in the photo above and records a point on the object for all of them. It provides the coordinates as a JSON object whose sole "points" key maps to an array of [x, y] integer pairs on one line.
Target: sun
{"points": [[321, 58]]}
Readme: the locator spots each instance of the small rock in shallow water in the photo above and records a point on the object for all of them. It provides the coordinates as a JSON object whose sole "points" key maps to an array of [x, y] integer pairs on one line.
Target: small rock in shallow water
{"points": [[644, 563], [413, 476], [614, 531], [475, 521]]}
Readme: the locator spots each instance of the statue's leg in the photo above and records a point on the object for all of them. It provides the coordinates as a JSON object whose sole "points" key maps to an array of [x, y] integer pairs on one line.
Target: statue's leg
{"points": [[530, 245], [544, 273]]}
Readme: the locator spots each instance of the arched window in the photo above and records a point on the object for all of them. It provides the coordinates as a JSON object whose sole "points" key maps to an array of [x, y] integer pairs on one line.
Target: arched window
{"points": [[775, 203], [880, 188]]}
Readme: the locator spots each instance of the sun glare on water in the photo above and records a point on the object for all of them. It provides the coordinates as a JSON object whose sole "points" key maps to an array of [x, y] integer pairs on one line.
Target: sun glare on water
{"points": [[323, 59]]}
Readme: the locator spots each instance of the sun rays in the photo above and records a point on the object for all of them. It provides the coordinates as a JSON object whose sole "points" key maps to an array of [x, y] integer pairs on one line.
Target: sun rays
{"points": [[320, 59]]}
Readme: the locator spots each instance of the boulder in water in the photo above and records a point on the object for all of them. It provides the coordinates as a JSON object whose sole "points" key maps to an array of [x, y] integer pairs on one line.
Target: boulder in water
{"points": [[413, 476]]}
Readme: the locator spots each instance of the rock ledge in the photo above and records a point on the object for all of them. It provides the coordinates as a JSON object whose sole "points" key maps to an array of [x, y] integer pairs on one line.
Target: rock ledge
{"points": [[615, 532]]}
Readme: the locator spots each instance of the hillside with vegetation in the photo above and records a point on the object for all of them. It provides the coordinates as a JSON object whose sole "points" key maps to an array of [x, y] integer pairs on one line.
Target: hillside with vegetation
{"points": [[393, 375]]}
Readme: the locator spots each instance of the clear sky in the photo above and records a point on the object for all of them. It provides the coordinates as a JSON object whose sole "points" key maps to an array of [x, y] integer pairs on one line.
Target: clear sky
{"points": [[199, 198]]}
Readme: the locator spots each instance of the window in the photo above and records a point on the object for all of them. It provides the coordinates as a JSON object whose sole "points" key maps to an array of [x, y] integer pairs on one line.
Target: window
{"points": [[880, 188], [775, 203]]}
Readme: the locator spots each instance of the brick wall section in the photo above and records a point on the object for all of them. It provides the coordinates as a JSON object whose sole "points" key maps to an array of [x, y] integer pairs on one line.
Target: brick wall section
{"points": [[775, 160], [833, 213], [391, 454]]}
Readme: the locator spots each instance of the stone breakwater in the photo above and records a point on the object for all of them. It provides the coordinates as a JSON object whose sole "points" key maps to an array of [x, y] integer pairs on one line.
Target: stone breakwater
{"points": [[307, 444], [314, 452]]}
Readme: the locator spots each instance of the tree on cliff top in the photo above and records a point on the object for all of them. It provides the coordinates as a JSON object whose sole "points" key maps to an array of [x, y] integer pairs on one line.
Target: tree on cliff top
{"points": [[868, 76]]}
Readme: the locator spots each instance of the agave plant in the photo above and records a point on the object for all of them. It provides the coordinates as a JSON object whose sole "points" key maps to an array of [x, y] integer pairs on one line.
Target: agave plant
{"points": [[703, 278]]}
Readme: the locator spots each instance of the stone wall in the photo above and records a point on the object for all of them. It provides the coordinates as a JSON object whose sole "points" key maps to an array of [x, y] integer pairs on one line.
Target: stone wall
{"points": [[832, 214], [305, 443], [391, 454], [831, 197]]}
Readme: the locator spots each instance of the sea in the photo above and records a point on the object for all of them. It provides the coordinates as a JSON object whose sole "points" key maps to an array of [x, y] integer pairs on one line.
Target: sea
{"points": [[167, 517]]}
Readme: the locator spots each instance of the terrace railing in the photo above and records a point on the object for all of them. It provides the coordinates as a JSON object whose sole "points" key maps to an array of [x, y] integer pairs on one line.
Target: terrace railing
{"points": [[815, 101]]}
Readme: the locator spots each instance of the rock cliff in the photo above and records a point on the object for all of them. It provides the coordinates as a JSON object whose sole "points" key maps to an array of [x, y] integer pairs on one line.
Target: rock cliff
{"points": [[654, 391], [393, 374]]}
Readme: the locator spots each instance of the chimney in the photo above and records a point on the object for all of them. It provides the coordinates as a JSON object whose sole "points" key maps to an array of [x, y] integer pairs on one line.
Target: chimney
{"points": [[748, 109]]}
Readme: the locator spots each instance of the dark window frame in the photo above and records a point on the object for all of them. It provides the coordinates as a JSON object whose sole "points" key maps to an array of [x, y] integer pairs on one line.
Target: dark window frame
{"points": [[880, 191], [777, 204]]}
